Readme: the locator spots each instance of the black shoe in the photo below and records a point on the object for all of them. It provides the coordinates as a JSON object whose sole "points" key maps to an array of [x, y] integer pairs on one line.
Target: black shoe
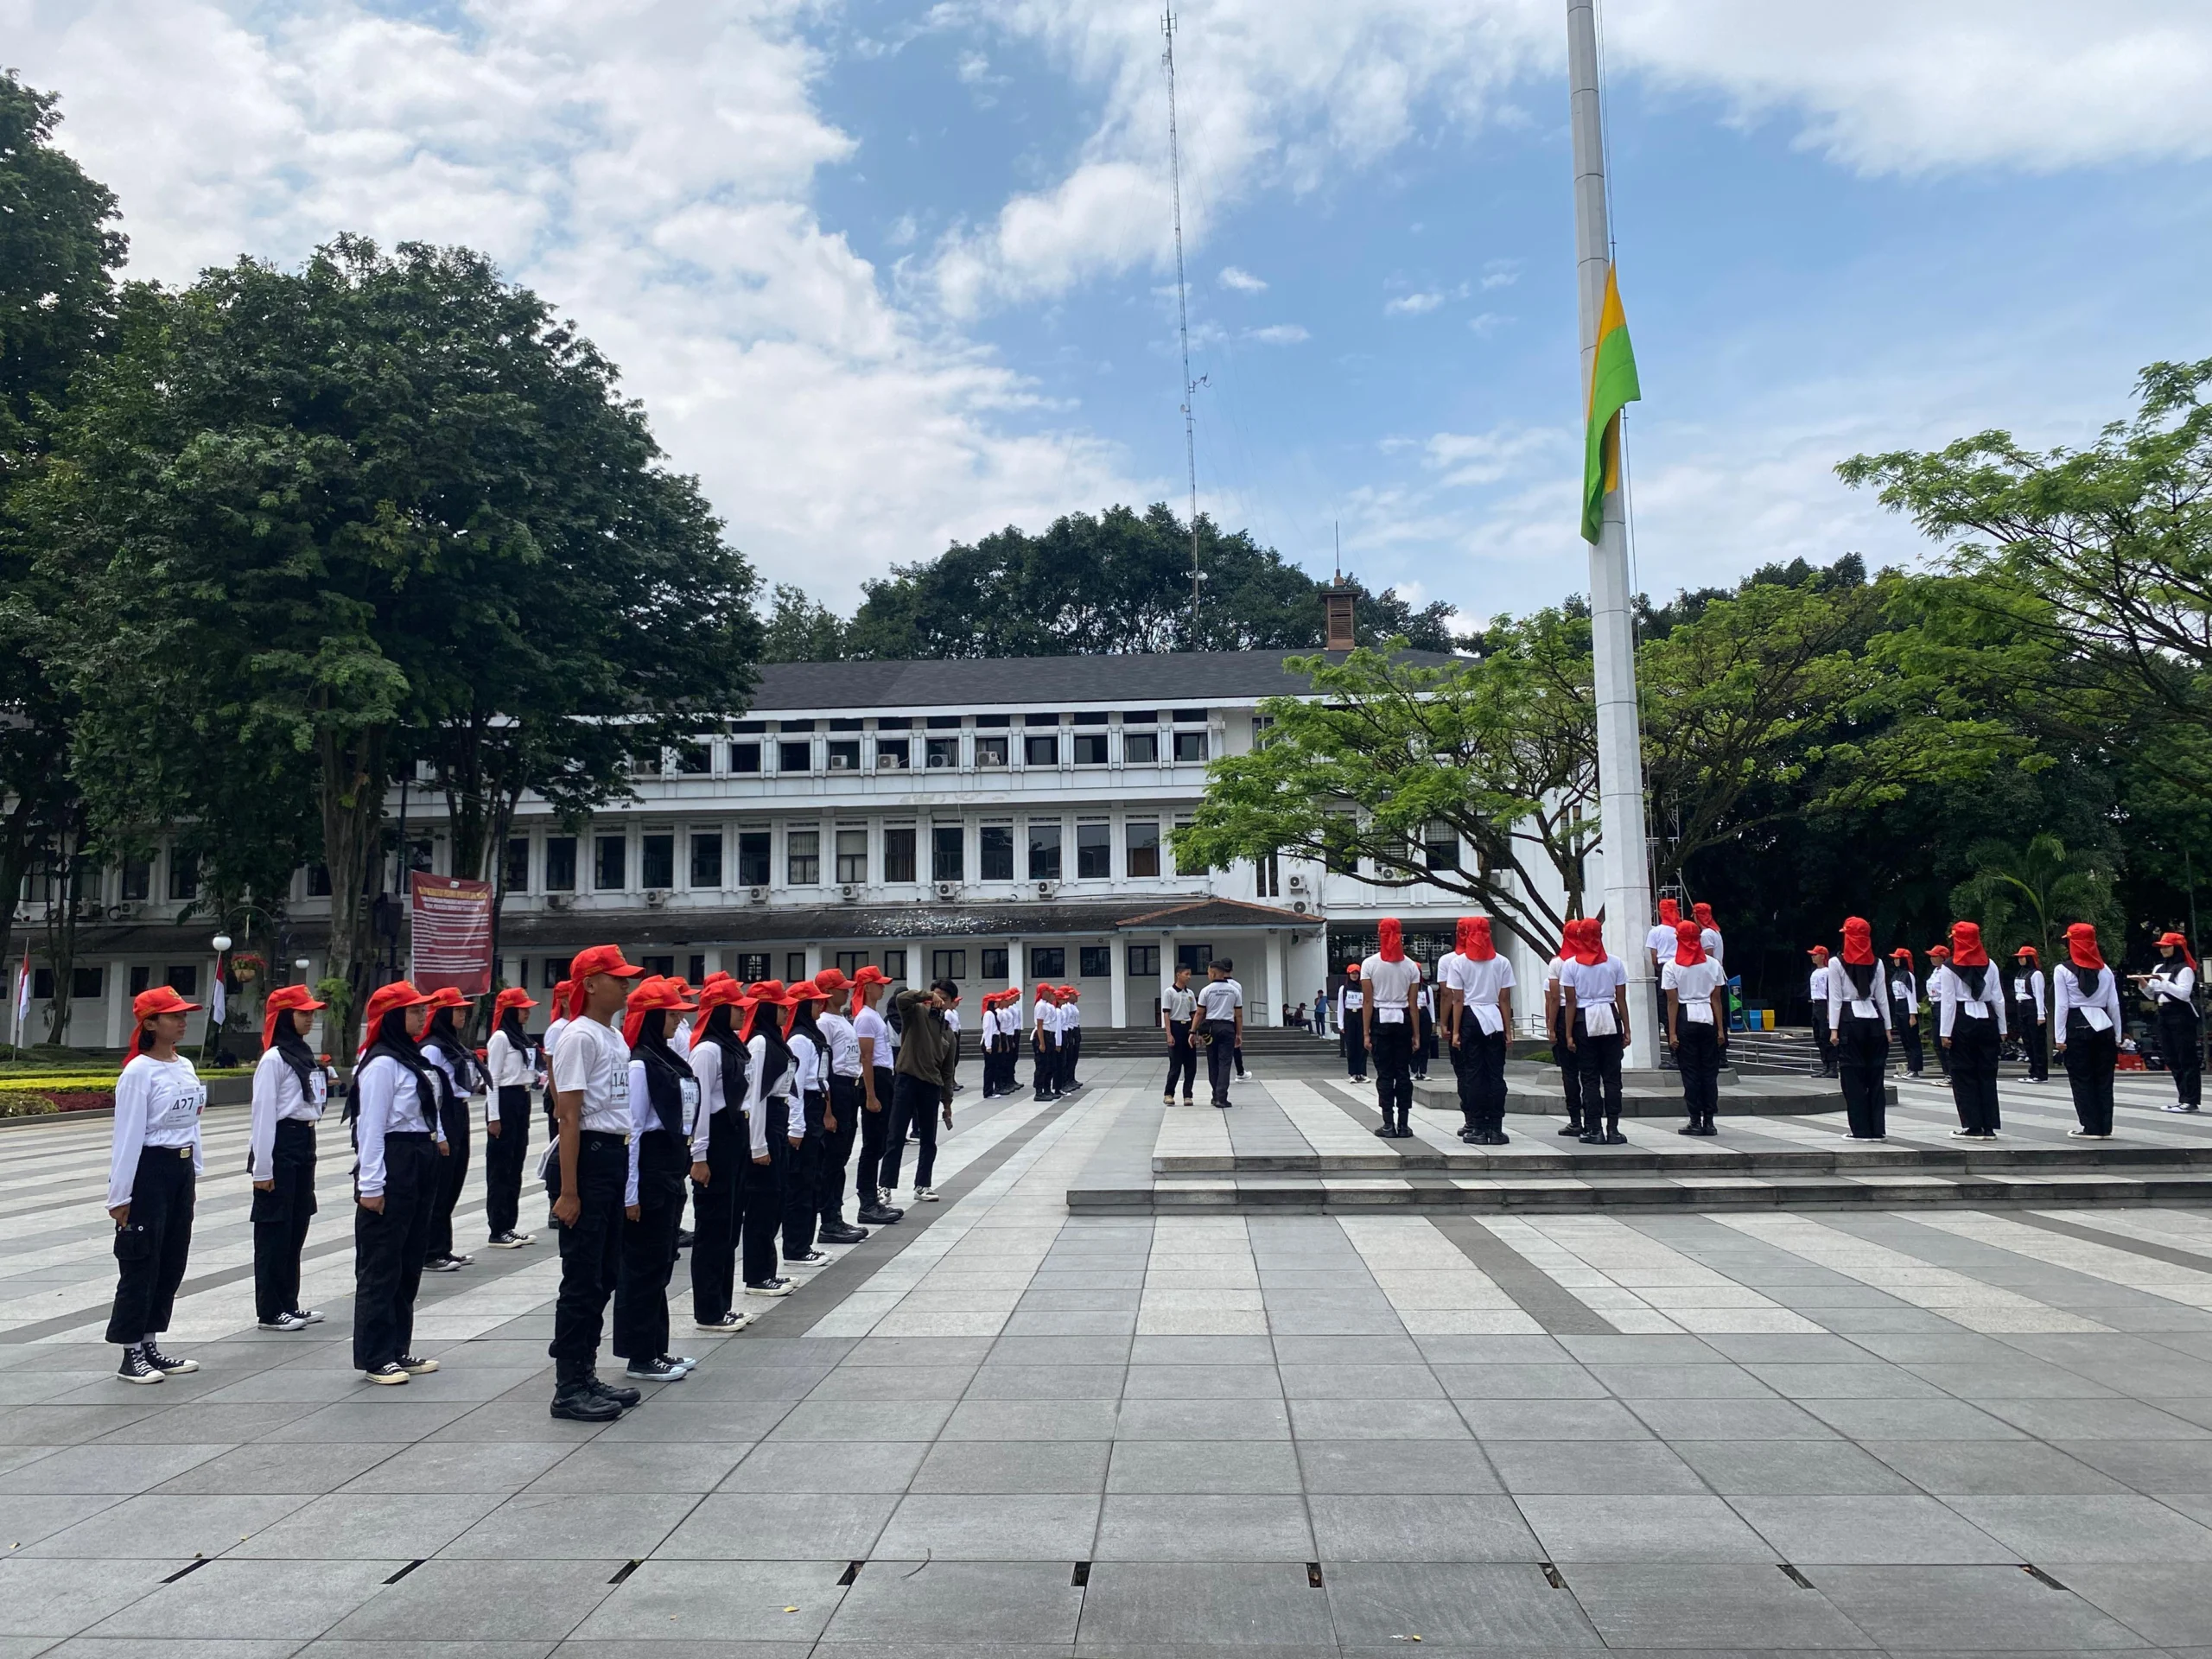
{"points": [[166, 1365], [1382, 1134], [414, 1365], [1498, 1138], [134, 1369], [1571, 1129], [1592, 1137], [1469, 1136], [838, 1233], [685, 1238], [1690, 1128], [624, 1398], [807, 1258], [655, 1371], [769, 1287], [580, 1403], [1615, 1138], [877, 1215]]}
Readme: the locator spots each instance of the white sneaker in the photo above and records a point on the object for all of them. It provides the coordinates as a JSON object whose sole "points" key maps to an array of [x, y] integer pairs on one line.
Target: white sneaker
{"points": [[926, 1195], [730, 1324], [2178, 1106], [772, 1287], [284, 1322]]}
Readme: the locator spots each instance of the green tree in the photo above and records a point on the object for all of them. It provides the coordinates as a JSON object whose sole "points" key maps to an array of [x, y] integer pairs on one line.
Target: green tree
{"points": [[800, 630], [2032, 894]]}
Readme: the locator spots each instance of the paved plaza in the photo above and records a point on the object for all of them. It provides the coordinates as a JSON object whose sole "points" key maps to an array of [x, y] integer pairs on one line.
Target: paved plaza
{"points": [[1000, 1428]]}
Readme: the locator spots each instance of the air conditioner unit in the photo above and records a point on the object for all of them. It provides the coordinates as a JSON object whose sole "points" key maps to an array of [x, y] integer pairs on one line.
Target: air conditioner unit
{"points": [[1300, 907], [1046, 889], [559, 901], [756, 895], [1296, 883], [657, 897], [948, 889], [849, 890]]}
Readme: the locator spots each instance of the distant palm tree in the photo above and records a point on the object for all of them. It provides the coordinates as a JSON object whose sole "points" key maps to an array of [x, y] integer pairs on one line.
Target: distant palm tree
{"points": [[2029, 896]]}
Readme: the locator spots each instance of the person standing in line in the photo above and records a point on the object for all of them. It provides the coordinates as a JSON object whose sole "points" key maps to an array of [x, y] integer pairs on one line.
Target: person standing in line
{"points": [[1391, 978], [291, 1089], [458, 1081], [1425, 1037], [513, 1063], [987, 1033], [1178, 1013], [549, 1170], [1857, 995], [1709, 936], [841, 1122], [679, 1033], [1594, 986], [1479, 1005], [1044, 1043], [2171, 987], [398, 1144], [2086, 1011], [1221, 1016], [874, 1037], [775, 1127], [921, 1088], [719, 1154], [811, 1063], [1351, 1020], [2032, 1012], [1662, 943], [591, 1090], [152, 1182], [1971, 1026], [1939, 975], [1697, 1025], [1817, 992], [1556, 1025], [1447, 1023], [665, 1102], [1070, 1036], [1904, 1005], [952, 1025]]}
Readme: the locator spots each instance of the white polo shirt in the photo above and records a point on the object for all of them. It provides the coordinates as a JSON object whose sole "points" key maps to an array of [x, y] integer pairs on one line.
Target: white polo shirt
{"points": [[593, 1059]]}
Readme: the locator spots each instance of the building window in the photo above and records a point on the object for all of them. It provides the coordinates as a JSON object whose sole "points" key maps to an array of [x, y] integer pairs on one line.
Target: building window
{"points": [[185, 980], [560, 863], [695, 971], [852, 855], [1142, 838], [753, 859], [994, 962], [844, 754], [1094, 961], [550, 973], [744, 757], [662, 965], [184, 876], [948, 853], [1268, 876], [949, 964], [990, 752], [516, 877], [794, 757], [944, 753], [794, 967], [894, 963], [1040, 749], [751, 966], [1144, 962], [1184, 866], [802, 857], [1094, 851], [1441, 843], [610, 863], [43, 984], [421, 856], [142, 978], [646, 765], [850, 962], [1044, 852], [995, 722], [994, 847], [706, 858], [1047, 961], [1090, 748], [138, 879], [318, 881], [1189, 746], [1140, 748], [657, 862], [899, 854], [893, 753], [1193, 957], [693, 760]]}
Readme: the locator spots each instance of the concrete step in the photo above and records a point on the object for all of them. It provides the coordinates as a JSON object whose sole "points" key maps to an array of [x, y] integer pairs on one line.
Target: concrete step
{"points": [[1536, 1157]]}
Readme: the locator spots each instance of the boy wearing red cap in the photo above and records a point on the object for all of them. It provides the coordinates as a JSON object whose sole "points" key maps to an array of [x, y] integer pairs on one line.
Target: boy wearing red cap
{"points": [[1071, 1011], [153, 1177], [512, 1061], [1045, 1041], [291, 1089], [841, 1124], [2171, 987], [398, 1144]]}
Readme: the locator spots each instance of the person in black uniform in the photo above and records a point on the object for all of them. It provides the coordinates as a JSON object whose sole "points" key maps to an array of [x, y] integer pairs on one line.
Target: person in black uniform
{"points": [[719, 1154], [2171, 988], [399, 1144], [1351, 1006], [291, 1089], [664, 1114], [2085, 1006], [458, 1079], [2031, 1012], [1972, 1030], [512, 1061], [772, 1111], [1178, 1012], [1857, 992], [1904, 1010]]}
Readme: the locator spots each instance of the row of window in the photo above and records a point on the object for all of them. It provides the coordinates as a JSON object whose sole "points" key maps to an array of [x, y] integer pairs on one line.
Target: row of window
{"points": [[89, 984], [983, 752]]}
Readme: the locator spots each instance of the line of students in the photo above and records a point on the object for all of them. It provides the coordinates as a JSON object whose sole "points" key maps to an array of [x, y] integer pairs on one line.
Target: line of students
{"points": [[1055, 1040]]}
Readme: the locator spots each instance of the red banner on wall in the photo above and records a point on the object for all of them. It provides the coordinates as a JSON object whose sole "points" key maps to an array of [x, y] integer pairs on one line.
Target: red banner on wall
{"points": [[452, 922]]}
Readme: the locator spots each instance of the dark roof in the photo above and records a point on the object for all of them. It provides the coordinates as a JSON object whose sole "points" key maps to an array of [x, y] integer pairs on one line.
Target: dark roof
{"points": [[558, 930], [1139, 682]]}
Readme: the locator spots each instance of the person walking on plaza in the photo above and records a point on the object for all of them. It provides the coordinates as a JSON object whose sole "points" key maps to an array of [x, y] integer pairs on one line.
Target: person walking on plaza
{"points": [[1045, 1039], [458, 1081], [513, 1062], [1859, 995], [775, 1130], [810, 1064], [591, 1090], [1178, 1016], [1594, 988], [2171, 987], [1351, 1020], [1555, 1025], [664, 1106], [1904, 1010], [841, 1122], [1939, 975], [1817, 992], [878, 1086], [2032, 1012], [399, 1144], [154, 1167], [1390, 979], [1971, 1026], [2085, 1011], [719, 1152], [1478, 1013], [921, 1088], [1221, 1018], [1697, 1023], [291, 1089]]}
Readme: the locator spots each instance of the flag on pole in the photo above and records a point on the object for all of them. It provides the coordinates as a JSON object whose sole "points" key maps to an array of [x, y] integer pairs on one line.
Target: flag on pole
{"points": [[1612, 386], [217, 1004], [23, 993]]}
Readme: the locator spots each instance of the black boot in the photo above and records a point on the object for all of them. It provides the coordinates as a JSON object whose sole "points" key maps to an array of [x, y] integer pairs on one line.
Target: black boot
{"points": [[1613, 1135]]}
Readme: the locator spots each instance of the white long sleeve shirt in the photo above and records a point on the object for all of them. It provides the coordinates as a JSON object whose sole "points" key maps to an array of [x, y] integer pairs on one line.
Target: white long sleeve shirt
{"points": [[2066, 987], [1816, 990], [1955, 1004], [2171, 981], [1843, 995], [761, 1104], [806, 1060], [705, 1067], [157, 1103], [2027, 987], [279, 1097], [508, 1063], [1046, 1016], [1905, 992], [1349, 1000], [386, 1102], [644, 1121], [1070, 1016]]}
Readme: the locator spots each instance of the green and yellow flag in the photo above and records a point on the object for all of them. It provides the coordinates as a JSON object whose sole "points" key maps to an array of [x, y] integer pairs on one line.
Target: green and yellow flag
{"points": [[1612, 384]]}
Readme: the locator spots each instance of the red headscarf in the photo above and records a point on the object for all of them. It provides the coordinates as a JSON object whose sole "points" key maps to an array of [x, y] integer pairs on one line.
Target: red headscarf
{"points": [[1474, 939], [2081, 946], [869, 975], [2180, 942], [763, 994], [1966, 946], [1589, 942], [562, 992], [1393, 939], [1690, 944], [654, 993], [1464, 932], [283, 1000], [1670, 913], [1857, 942], [1703, 914]]}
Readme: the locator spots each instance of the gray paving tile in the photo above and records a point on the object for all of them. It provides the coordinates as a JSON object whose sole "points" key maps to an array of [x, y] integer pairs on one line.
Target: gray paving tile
{"points": [[1395, 1466], [1708, 1608], [1202, 1382], [2147, 1466], [452, 1467], [25, 1520], [282, 1468], [1060, 1351], [365, 1526], [694, 1422], [2095, 1420], [1046, 1383], [1151, 1606], [503, 1600], [341, 1647], [149, 1528], [1789, 1468], [1468, 1350], [255, 1599], [117, 1469], [1453, 1606], [1429, 1526], [2161, 1601], [1910, 1420], [1386, 1385], [206, 1419], [1398, 1349], [1202, 1351], [1014, 1466], [1860, 1381], [1640, 1351], [894, 1382], [918, 1351], [2015, 1378], [668, 1601], [118, 1647], [1537, 1380], [1592, 1466], [996, 1527], [768, 1526], [1269, 1465], [68, 1425], [960, 1601], [862, 1419], [1202, 1419], [524, 1418], [1031, 1420], [1871, 1531], [1202, 1527], [1354, 1420], [557, 1526], [57, 1598], [2116, 1528], [1721, 1381], [1744, 1420], [641, 1466], [1945, 1467], [1641, 1528], [818, 1466], [1541, 1419], [1990, 1609]]}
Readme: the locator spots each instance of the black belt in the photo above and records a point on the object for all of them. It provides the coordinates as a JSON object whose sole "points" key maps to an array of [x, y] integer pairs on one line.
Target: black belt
{"points": [[600, 1138], [163, 1152], [407, 1135]]}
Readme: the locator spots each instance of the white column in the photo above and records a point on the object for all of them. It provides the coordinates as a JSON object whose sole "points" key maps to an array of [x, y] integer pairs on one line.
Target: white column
{"points": [[1278, 989], [1620, 760], [1017, 965], [1119, 1000], [814, 964], [118, 1004]]}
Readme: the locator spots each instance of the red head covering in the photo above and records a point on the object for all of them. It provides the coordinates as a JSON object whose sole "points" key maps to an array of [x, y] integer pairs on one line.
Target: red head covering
{"points": [[1590, 942], [560, 994], [653, 993], [1393, 939], [762, 994], [449, 997], [869, 975], [597, 959], [2030, 952], [1703, 914], [513, 997], [1966, 946], [1670, 913], [1857, 942], [1818, 952], [283, 1000], [1352, 967], [832, 982], [2081, 946], [1463, 933], [397, 995], [720, 991], [1903, 953], [2180, 942], [1939, 953], [1475, 943], [1689, 944], [805, 990]]}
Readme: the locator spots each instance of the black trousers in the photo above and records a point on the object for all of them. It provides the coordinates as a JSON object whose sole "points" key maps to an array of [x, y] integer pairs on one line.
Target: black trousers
{"points": [[152, 1247], [802, 1182], [1043, 1066], [1698, 1059], [714, 1216], [1597, 1065], [280, 1220], [1463, 1074], [1182, 1059], [2180, 1047], [1221, 1059], [2035, 1040], [1823, 1039], [1355, 1047], [1071, 1054], [875, 1130], [913, 1105], [504, 1155], [1863, 1060], [453, 1177], [1974, 1072], [1908, 1036], [591, 1254], [845, 1100], [760, 1202], [1394, 1076], [1570, 1066], [648, 1247], [2090, 1058], [1480, 1058], [1424, 1048], [388, 1246]]}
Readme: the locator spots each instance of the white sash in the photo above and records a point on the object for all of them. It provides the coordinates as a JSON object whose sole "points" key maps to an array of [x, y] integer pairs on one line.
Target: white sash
{"points": [[1597, 1019]]}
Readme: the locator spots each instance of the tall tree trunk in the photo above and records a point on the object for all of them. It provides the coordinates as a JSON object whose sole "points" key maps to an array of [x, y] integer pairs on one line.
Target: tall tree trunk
{"points": [[351, 800]]}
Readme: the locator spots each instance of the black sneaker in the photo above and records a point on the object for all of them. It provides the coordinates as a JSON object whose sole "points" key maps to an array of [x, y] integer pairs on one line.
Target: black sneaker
{"points": [[166, 1365], [286, 1321], [579, 1402], [878, 1215], [841, 1234], [805, 1259], [1570, 1129], [624, 1398], [686, 1238], [307, 1315], [442, 1264], [386, 1374], [414, 1366], [770, 1288], [134, 1369], [655, 1371]]}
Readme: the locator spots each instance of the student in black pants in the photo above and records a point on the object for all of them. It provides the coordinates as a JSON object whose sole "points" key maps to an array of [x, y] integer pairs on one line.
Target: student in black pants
{"points": [[803, 1178], [458, 1078], [1221, 1015], [1817, 993], [772, 1111], [1594, 988], [841, 1121], [291, 1089], [664, 1103], [399, 1145], [719, 1154], [1904, 1004], [877, 1087], [153, 1178], [512, 1061], [1697, 1023], [2086, 1012], [1352, 1009], [1857, 992], [1972, 1030], [1939, 974], [1478, 1023], [2032, 1012], [1178, 1012], [2171, 987]]}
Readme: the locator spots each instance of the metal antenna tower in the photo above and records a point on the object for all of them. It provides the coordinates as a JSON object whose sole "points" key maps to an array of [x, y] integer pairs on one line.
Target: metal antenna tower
{"points": [[1183, 314]]}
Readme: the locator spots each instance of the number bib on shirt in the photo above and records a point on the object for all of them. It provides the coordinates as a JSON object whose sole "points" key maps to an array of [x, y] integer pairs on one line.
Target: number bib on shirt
{"points": [[318, 1087], [689, 1089], [184, 1108]]}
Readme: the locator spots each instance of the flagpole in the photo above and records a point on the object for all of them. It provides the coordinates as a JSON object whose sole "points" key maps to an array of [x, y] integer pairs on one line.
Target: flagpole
{"points": [[1620, 741]]}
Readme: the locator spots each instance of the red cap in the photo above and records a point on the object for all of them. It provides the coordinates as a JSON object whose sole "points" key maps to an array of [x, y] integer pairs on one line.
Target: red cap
{"points": [[162, 999], [1670, 912], [599, 959], [1902, 953], [830, 981], [1352, 967], [721, 991], [448, 996], [283, 1000], [2180, 942], [654, 993], [513, 997], [763, 994], [1820, 951], [1391, 939], [2029, 951], [805, 990], [1475, 941], [397, 995]]}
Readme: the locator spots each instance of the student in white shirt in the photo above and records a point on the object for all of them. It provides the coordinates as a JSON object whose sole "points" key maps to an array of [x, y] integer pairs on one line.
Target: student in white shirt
{"points": [[1070, 1000], [460, 1081], [2171, 988], [1178, 1011], [1351, 1022], [841, 1120], [1697, 1023], [719, 1154], [1390, 978], [872, 1033], [1221, 1016], [510, 1060], [1905, 1010], [1045, 1040], [291, 1089], [2031, 1013], [2084, 1012], [1662, 943], [1594, 986], [1939, 976], [810, 1062], [665, 1105], [152, 1179], [1817, 993], [1709, 936], [1856, 1014], [1555, 1027], [1478, 1014], [399, 1146], [1972, 1026], [772, 1112]]}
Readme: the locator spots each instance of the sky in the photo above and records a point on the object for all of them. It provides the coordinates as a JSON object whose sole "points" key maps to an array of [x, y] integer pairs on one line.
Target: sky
{"points": [[891, 275]]}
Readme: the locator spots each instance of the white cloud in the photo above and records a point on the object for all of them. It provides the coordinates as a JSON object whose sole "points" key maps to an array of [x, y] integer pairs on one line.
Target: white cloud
{"points": [[1243, 281], [1501, 273], [1463, 458], [1279, 333], [1412, 305], [1488, 322]]}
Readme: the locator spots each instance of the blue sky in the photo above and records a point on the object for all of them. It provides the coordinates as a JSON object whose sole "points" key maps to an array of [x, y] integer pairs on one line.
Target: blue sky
{"points": [[888, 274]]}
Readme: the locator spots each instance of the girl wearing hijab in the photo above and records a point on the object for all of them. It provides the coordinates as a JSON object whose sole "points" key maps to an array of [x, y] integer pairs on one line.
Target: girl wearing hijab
{"points": [[810, 1061], [2171, 987], [1697, 1023], [1351, 1022], [1555, 1025], [1662, 942], [1939, 975], [291, 1089], [1481, 1011], [2032, 1012], [1391, 978], [1817, 992], [664, 1102], [152, 1180], [1709, 936], [459, 1080], [1904, 1005], [1857, 995], [510, 1058], [771, 1097], [719, 1154], [399, 1142], [1971, 1024], [2085, 1009], [1595, 988]]}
